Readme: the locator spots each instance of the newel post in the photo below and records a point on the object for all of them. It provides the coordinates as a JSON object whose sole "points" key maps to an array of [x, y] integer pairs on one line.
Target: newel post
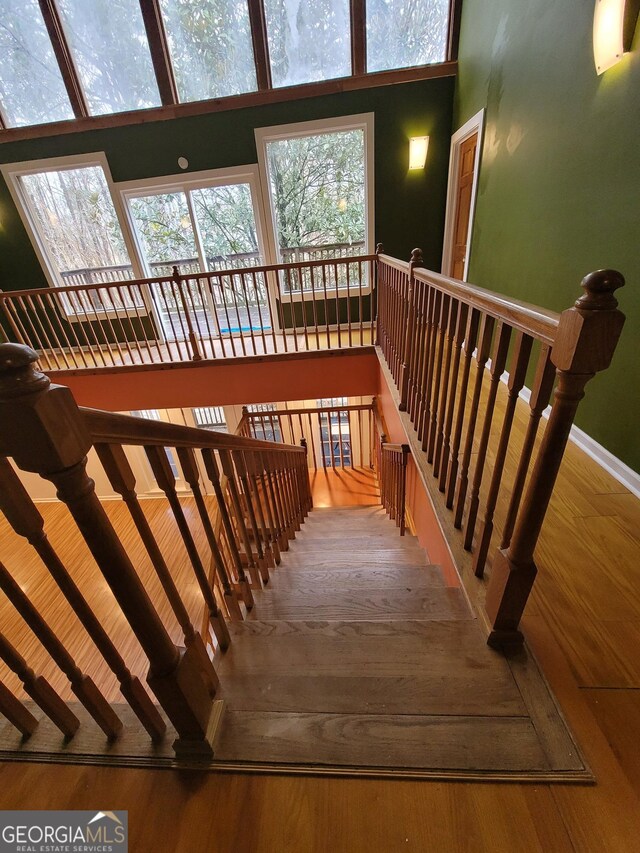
{"points": [[410, 321], [584, 345], [44, 432]]}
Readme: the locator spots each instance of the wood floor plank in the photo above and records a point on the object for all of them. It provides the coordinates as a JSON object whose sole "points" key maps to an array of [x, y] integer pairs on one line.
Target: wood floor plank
{"points": [[408, 741]]}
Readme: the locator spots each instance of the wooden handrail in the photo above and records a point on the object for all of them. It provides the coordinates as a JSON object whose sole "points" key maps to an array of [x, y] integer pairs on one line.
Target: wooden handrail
{"points": [[112, 427], [101, 285], [540, 323]]}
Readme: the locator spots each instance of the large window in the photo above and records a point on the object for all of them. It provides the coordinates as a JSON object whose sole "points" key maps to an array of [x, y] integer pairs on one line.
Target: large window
{"points": [[62, 59], [109, 45], [319, 178], [308, 40], [401, 33], [31, 87], [210, 43], [76, 226], [208, 224], [335, 432]]}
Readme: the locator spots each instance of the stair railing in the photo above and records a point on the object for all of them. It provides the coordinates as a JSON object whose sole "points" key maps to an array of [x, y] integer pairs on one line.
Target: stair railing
{"points": [[267, 492], [431, 330], [393, 482], [335, 436]]}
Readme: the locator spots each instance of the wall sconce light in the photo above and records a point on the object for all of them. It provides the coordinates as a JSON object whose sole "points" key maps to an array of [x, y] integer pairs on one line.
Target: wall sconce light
{"points": [[614, 23], [418, 146]]}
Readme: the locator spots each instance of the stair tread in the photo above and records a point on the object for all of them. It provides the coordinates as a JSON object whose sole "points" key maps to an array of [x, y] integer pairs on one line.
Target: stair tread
{"points": [[407, 741], [339, 648], [374, 540], [310, 582], [352, 559], [369, 604]]}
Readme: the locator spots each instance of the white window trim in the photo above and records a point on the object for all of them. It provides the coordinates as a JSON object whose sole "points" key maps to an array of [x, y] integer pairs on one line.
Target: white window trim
{"points": [[362, 121], [474, 125], [12, 172], [182, 182]]}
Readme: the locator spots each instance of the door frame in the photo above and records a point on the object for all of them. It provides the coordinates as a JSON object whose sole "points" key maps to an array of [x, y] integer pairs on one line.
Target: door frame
{"points": [[474, 125]]}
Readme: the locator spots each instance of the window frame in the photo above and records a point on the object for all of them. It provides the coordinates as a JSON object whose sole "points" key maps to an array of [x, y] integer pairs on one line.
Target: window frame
{"points": [[12, 172], [317, 127], [188, 181]]}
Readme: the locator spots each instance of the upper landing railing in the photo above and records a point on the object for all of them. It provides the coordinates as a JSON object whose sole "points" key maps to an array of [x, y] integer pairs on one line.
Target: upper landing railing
{"points": [[315, 302]]}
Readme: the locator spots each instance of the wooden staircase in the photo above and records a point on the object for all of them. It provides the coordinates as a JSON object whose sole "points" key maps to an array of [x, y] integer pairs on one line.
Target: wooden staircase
{"points": [[357, 656]]}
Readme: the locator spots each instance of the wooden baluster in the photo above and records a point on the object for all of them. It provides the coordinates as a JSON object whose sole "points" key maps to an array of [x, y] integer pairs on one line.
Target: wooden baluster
{"points": [[261, 474], [25, 519], [283, 540], [429, 401], [271, 546], [19, 716], [443, 445], [436, 440], [482, 356], [446, 306], [427, 296], [121, 477], [288, 463], [82, 685], [498, 362], [264, 559], [517, 376], [584, 345], [166, 480], [540, 394], [470, 338], [229, 472], [403, 489], [40, 691], [422, 293], [43, 430], [283, 491], [409, 329], [189, 467], [214, 475]]}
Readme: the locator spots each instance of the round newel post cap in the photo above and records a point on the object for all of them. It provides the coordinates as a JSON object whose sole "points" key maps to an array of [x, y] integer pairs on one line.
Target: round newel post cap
{"points": [[18, 375], [599, 287], [417, 259], [16, 357]]}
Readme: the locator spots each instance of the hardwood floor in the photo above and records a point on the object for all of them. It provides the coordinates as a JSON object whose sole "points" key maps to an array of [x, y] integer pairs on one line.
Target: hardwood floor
{"points": [[575, 591]]}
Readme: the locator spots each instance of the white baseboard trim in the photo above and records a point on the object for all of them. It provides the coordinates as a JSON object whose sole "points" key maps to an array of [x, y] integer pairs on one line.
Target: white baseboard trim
{"points": [[625, 475]]}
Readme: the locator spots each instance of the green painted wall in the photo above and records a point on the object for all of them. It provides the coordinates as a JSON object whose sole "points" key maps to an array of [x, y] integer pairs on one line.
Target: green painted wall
{"points": [[559, 187], [409, 207]]}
